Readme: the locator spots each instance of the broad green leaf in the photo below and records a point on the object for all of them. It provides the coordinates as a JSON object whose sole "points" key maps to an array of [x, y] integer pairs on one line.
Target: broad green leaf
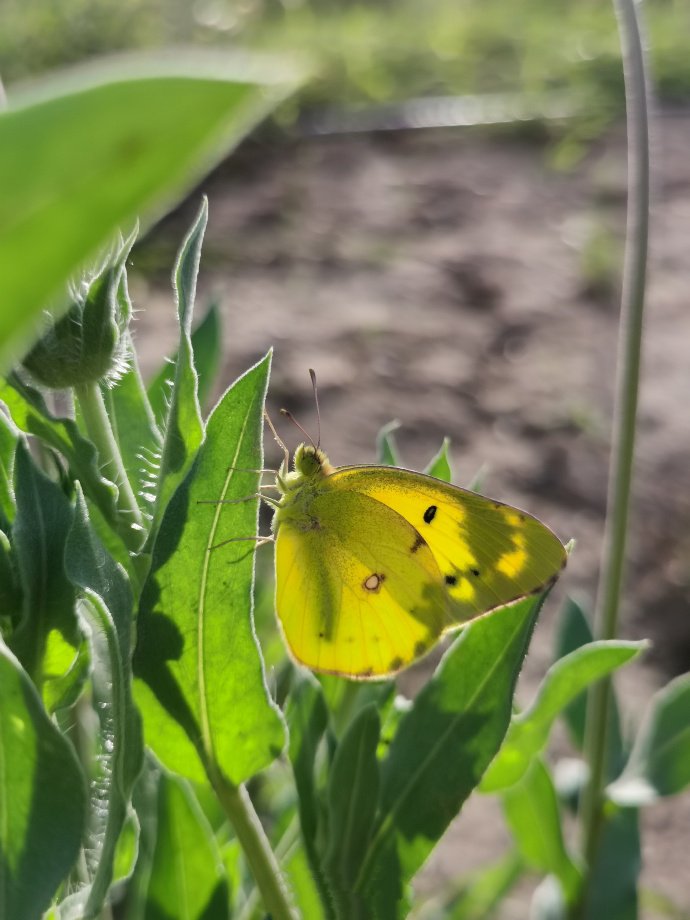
{"points": [[353, 789], [199, 677], [613, 879], [480, 896], [31, 415], [574, 631], [531, 810], [106, 611], [659, 762], [386, 449], [207, 349], [42, 798], [439, 465], [183, 428], [564, 681], [8, 445], [85, 153], [187, 880], [442, 747], [44, 516]]}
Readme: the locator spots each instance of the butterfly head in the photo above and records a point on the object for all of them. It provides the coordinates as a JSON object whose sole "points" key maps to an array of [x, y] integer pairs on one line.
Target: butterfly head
{"points": [[311, 461]]}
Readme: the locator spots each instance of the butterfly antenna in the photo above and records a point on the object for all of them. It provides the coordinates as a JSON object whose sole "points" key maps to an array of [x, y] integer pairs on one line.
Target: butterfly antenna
{"points": [[294, 421], [312, 374], [279, 441]]}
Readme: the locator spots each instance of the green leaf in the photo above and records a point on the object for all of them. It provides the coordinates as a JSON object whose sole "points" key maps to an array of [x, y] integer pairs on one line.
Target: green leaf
{"points": [[183, 428], [531, 810], [106, 610], [187, 879], [574, 631], [439, 466], [442, 747], [85, 153], [44, 516], [42, 798], [135, 430], [199, 677], [613, 878], [659, 762], [31, 415], [10, 590], [207, 349], [307, 718], [303, 886], [564, 681], [8, 445], [386, 449], [65, 671], [353, 789]]}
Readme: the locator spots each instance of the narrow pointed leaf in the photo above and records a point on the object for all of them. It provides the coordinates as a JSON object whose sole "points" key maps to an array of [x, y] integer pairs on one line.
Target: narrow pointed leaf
{"points": [[439, 465], [106, 610], [183, 428], [42, 798], [574, 631], [187, 880], [564, 681], [307, 718], [44, 516], [207, 348], [531, 810], [135, 430], [386, 449], [200, 682], [659, 762], [8, 445], [442, 747], [353, 790], [87, 152]]}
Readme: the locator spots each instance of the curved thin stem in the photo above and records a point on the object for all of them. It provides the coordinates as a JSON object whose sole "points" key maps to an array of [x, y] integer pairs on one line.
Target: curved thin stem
{"points": [[627, 385]]}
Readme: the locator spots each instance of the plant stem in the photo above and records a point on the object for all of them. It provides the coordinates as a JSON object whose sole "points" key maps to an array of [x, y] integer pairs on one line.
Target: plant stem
{"points": [[101, 433], [627, 384], [257, 850]]}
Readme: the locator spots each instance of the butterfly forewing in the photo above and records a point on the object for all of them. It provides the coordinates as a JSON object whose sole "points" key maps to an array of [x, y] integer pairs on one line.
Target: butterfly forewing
{"points": [[489, 554], [358, 593]]}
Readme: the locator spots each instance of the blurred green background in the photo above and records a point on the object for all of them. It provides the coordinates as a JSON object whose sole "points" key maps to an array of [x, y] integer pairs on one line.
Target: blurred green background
{"points": [[376, 52]]}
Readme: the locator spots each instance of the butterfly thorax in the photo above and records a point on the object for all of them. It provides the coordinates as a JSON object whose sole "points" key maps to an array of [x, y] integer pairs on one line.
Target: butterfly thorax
{"points": [[300, 486]]}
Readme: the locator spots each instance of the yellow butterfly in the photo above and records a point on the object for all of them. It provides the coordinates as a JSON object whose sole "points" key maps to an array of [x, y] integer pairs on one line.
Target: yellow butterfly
{"points": [[374, 563]]}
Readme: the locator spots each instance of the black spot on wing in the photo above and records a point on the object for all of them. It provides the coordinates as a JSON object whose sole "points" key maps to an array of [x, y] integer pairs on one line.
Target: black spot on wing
{"points": [[475, 572], [451, 579], [430, 514], [395, 664]]}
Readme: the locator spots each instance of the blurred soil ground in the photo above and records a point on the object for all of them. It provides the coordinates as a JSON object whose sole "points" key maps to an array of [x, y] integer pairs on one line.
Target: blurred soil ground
{"points": [[455, 282]]}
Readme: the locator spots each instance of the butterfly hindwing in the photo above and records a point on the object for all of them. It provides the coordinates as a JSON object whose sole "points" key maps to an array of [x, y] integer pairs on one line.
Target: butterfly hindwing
{"points": [[358, 592], [489, 554]]}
